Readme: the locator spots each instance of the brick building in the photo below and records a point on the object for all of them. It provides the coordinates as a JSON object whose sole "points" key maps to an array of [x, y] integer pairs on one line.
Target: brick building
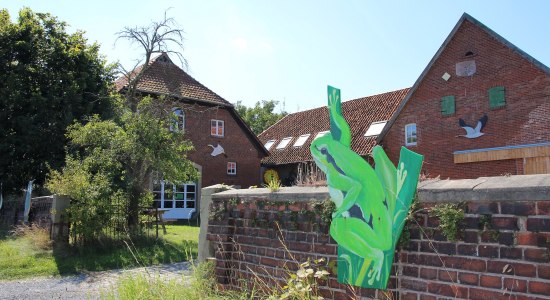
{"points": [[226, 150], [289, 139], [476, 73]]}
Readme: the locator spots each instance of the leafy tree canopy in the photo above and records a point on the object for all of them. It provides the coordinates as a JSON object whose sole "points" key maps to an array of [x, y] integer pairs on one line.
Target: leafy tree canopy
{"points": [[114, 161], [261, 116], [111, 162], [48, 79]]}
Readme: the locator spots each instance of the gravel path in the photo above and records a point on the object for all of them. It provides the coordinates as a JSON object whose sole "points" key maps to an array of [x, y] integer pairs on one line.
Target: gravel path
{"points": [[84, 286]]}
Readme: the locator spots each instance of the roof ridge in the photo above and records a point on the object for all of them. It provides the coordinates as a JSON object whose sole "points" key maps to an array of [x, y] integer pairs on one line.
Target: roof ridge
{"points": [[163, 76], [377, 95], [350, 100], [274, 124]]}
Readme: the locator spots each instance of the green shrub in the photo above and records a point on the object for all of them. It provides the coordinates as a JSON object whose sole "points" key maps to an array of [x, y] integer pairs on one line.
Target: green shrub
{"points": [[450, 219]]}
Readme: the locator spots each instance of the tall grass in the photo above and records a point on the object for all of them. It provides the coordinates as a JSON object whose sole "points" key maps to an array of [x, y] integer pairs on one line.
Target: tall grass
{"points": [[200, 286], [27, 252]]}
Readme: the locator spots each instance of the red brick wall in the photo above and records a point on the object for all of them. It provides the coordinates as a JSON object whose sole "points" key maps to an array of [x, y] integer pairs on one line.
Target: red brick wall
{"points": [[238, 147], [508, 261], [523, 120]]}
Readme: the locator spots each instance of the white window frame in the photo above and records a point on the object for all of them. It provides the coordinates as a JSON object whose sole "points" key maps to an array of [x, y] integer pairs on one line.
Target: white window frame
{"points": [[231, 168], [160, 198], [269, 144], [218, 124], [373, 128], [179, 121], [283, 143], [301, 140], [407, 136]]}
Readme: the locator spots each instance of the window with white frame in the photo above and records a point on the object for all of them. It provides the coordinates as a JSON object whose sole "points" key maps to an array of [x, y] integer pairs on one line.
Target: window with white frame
{"points": [[216, 128], [375, 128], [232, 168], [269, 144], [284, 142], [410, 134], [172, 196], [179, 120], [301, 140]]}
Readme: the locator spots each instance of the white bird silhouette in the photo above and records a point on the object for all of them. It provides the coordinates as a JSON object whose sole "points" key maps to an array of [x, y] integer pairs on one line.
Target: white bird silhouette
{"points": [[471, 132], [216, 150]]}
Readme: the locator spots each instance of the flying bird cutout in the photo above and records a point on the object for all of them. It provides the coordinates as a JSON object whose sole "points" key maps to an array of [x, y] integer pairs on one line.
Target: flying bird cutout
{"points": [[472, 132], [217, 150]]}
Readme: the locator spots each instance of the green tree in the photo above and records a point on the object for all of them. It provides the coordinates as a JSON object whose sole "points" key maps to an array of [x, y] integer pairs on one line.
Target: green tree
{"points": [[261, 116], [48, 79], [164, 36], [119, 157], [111, 163]]}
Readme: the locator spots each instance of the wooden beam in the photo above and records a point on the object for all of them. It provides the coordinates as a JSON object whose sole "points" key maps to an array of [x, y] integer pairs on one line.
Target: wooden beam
{"points": [[502, 154]]}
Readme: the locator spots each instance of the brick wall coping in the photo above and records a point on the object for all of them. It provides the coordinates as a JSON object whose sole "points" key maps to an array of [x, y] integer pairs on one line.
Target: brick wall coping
{"points": [[296, 193], [501, 188]]}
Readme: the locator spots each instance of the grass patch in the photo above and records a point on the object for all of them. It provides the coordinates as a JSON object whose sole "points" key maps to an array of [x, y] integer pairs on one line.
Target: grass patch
{"points": [[201, 285], [28, 253], [21, 257]]}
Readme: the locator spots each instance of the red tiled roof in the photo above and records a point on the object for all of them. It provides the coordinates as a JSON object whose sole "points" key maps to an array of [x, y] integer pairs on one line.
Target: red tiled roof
{"points": [[165, 78], [359, 113]]}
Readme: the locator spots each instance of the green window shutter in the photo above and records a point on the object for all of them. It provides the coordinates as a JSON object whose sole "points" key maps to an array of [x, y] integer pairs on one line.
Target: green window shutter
{"points": [[496, 97], [448, 105]]}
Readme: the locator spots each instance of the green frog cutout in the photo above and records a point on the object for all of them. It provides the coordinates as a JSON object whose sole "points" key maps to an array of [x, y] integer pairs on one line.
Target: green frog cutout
{"points": [[371, 204]]}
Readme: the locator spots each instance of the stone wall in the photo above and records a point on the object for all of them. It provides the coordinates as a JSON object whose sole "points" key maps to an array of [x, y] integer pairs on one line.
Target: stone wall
{"points": [[503, 249]]}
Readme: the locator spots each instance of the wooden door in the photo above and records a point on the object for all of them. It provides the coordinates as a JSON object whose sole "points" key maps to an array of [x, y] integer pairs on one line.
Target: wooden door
{"points": [[537, 165]]}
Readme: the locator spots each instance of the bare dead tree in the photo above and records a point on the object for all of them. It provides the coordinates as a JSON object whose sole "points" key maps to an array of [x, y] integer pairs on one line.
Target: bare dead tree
{"points": [[164, 36]]}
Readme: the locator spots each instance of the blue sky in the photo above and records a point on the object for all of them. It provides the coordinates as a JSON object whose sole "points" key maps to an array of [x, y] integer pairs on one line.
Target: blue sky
{"points": [[289, 50]]}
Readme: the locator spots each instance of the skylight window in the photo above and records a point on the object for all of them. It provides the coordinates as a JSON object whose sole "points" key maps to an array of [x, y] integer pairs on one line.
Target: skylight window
{"points": [[284, 142], [301, 140], [320, 134], [375, 128], [269, 144]]}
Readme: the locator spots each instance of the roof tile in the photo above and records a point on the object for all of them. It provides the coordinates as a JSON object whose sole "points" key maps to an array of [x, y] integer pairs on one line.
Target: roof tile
{"points": [[164, 77], [359, 113]]}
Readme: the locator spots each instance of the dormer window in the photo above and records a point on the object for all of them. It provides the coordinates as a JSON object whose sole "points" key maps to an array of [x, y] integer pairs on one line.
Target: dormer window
{"points": [[375, 128], [301, 140], [284, 142], [269, 144], [179, 120]]}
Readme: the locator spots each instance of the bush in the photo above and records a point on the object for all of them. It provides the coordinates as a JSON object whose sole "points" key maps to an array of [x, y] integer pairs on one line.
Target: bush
{"points": [[450, 218]]}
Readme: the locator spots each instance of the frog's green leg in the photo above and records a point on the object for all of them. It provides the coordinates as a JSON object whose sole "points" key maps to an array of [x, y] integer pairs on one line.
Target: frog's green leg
{"points": [[351, 187], [339, 128], [356, 236]]}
